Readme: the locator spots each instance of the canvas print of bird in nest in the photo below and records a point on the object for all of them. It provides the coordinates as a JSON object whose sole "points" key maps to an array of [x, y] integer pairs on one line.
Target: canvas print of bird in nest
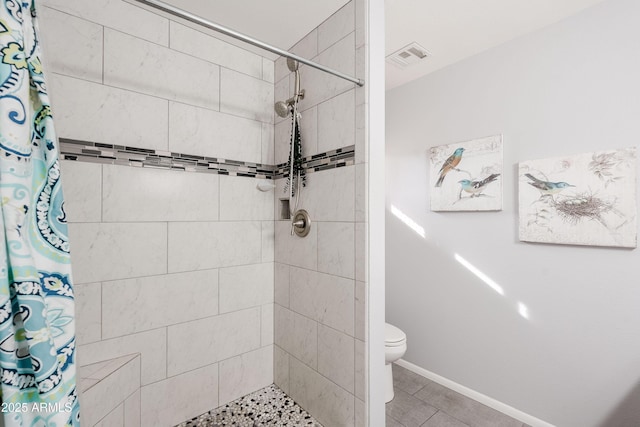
{"points": [[467, 176], [585, 199]]}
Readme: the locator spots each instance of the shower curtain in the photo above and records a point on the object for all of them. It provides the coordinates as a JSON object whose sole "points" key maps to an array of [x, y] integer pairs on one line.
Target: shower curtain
{"points": [[37, 331]]}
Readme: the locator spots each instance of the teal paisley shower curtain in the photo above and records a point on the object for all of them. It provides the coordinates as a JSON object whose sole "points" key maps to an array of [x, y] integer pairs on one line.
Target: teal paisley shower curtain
{"points": [[37, 330]]}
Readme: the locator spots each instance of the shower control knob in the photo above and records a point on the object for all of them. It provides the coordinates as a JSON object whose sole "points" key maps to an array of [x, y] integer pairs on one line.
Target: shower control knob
{"points": [[301, 223]]}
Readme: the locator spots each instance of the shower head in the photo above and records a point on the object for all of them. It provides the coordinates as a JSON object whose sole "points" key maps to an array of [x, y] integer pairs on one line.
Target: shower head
{"points": [[292, 64], [282, 108]]}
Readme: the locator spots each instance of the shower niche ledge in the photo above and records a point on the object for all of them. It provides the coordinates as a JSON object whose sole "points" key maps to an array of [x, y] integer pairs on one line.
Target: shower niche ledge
{"points": [[110, 392]]}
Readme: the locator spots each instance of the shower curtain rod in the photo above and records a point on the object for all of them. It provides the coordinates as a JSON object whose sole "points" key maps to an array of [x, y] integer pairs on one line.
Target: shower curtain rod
{"points": [[236, 35]]}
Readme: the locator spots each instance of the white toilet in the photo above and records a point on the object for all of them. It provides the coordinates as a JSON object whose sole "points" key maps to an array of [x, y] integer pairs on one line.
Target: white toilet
{"points": [[395, 345]]}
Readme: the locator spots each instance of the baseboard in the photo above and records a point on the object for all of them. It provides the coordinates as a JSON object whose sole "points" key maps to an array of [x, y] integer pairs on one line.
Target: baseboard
{"points": [[479, 397]]}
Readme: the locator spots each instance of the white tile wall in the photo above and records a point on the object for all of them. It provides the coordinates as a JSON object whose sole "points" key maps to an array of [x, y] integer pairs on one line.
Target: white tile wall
{"points": [[282, 284], [330, 195], [361, 373], [203, 132], [136, 305], [268, 241], [243, 374], [227, 225], [309, 132], [88, 307], [336, 122], [281, 368], [325, 298], [336, 249], [294, 250], [361, 307], [361, 134], [145, 194], [361, 256], [337, 26], [71, 34], [204, 46], [361, 413], [297, 335], [246, 96], [212, 339], [336, 357], [152, 346], [340, 56], [334, 408], [245, 286], [268, 150], [282, 141], [240, 199], [281, 74], [114, 419], [362, 94], [266, 325], [361, 189], [307, 47], [119, 15], [360, 12], [132, 410], [268, 70], [108, 394], [282, 92], [205, 245], [159, 71], [87, 111], [315, 290], [82, 186], [176, 399], [103, 251]]}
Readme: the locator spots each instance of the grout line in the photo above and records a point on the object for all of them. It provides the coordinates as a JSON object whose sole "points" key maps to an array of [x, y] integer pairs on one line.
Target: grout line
{"points": [[169, 127], [102, 193], [101, 312], [183, 22], [103, 54], [260, 323], [220, 89], [169, 37], [323, 376], [166, 360], [319, 323], [198, 319]]}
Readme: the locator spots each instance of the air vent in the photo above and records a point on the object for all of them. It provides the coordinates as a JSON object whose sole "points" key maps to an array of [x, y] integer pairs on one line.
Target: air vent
{"points": [[408, 55]]}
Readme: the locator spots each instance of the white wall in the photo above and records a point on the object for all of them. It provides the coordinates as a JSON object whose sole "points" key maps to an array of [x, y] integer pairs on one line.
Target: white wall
{"points": [[175, 266], [570, 88]]}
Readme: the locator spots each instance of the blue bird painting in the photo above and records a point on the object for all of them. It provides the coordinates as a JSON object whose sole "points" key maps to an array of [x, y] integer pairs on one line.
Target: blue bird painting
{"points": [[475, 188], [547, 188], [449, 165]]}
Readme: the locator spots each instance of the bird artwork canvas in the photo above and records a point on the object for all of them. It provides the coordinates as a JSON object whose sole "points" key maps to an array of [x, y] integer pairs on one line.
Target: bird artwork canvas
{"points": [[585, 199], [467, 176]]}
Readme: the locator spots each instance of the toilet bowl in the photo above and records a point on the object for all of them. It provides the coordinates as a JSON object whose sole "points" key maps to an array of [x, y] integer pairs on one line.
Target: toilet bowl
{"points": [[395, 345]]}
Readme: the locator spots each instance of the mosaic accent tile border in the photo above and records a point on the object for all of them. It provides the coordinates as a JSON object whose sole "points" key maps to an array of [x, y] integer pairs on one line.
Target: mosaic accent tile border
{"points": [[269, 406], [318, 162], [96, 152]]}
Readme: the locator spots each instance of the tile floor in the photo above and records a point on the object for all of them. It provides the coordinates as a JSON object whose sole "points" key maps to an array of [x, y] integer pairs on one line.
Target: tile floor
{"points": [[420, 402], [269, 406]]}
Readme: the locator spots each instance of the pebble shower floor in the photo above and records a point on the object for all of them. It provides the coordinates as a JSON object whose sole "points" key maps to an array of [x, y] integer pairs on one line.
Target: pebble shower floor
{"points": [[269, 406]]}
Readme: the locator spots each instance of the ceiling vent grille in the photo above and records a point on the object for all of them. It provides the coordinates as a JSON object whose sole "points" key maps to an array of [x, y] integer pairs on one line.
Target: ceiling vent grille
{"points": [[408, 55]]}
